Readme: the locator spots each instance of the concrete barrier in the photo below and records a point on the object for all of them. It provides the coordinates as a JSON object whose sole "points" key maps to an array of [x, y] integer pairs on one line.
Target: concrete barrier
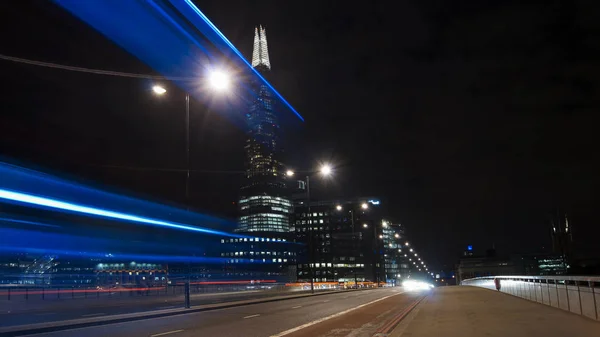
{"points": [[577, 294]]}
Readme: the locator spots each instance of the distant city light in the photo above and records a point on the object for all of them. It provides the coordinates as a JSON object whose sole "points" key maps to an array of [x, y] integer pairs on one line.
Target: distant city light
{"points": [[364, 205]]}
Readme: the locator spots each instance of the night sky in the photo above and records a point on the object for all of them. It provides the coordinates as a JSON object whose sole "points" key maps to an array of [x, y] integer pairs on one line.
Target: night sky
{"points": [[474, 120]]}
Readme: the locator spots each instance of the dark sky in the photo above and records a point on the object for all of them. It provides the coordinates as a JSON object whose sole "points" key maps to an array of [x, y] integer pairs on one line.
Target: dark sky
{"points": [[474, 120]]}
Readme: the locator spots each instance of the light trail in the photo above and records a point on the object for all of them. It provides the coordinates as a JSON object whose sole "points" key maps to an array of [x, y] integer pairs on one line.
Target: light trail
{"points": [[30, 199]]}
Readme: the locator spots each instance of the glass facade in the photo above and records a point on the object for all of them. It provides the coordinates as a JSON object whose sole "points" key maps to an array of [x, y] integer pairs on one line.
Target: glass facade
{"points": [[264, 204]]}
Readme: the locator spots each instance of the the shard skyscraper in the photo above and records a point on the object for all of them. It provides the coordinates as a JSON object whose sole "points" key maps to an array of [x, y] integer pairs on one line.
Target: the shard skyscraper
{"points": [[264, 203]]}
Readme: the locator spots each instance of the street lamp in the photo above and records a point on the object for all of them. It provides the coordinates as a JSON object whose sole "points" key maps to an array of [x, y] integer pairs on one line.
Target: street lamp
{"points": [[290, 173], [338, 207], [218, 81], [326, 170], [364, 205], [159, 90], [365, 225], [406, 244]]}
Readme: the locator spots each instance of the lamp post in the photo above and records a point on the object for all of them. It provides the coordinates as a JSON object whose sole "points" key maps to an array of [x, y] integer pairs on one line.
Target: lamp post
{"points": [[325, 171], [219, 81]]}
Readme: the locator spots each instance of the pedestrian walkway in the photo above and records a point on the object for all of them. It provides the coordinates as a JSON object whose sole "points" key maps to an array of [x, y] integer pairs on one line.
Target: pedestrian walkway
{"points": [[464, 311]]}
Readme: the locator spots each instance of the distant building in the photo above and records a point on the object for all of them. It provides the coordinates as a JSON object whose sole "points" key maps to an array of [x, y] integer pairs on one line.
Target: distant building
{"points": [[396, 265], [342, 240], [265, 204], [486, 265], [540, 264], [562, 237]]}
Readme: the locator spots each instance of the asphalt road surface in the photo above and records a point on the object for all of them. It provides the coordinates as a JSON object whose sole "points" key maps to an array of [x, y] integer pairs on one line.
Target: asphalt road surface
{"points": [[360, 313], [22, 312]]}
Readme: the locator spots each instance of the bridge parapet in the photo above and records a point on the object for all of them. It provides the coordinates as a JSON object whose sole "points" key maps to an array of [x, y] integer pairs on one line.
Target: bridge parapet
{"points": [[577, 294]]}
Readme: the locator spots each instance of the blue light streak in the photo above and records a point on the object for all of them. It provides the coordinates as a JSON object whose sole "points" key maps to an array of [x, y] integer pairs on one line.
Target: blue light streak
{"points": [[25, 222], [158, 34], [66, 206], [237, 52]]}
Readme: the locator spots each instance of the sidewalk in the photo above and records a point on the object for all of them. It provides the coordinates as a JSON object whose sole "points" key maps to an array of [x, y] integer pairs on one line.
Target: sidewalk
{"points": [[464, 311]]}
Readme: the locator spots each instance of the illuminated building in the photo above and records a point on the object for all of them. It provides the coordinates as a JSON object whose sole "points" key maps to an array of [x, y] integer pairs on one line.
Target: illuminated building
{"points": [[264, 203], [395, 264], [340, 241]]}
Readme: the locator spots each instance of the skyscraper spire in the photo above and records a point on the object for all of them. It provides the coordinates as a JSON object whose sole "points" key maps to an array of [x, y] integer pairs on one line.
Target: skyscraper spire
{"points": [[260, 52]]}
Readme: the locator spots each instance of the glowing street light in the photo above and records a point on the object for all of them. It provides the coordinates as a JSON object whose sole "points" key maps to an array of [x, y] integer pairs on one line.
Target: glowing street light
{"points": [[406, 243], [411, 250], [365, 225], [326, 170], [338, 207], [219, 80], [380, 236], [364, 205], [290, 173], [397, 235], [159, 90]]}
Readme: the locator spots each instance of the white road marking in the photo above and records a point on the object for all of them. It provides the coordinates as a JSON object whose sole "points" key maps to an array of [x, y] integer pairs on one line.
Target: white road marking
{"points": [[252, 316], [165, 333], [296, 307], [90, 315], [292, 330], [325, 301]]}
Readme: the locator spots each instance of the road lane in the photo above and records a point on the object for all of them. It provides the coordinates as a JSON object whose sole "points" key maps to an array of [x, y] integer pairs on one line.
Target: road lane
{"points": [[258, 320], [19, 313]]}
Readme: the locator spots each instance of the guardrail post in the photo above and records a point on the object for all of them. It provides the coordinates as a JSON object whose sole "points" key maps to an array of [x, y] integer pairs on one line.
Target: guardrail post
{"points": [[567, 291], [579, 294], [557, 295], [549, 297], [535, 289], [593, 284]]}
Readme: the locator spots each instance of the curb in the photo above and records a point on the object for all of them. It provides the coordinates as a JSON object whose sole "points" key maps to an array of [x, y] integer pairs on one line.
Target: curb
{"points": [[77, 324]]}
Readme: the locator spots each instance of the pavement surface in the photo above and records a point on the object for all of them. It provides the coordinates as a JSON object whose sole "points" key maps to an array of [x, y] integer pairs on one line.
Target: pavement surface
{"points": [[473, 312], [357, 313], [20, 312]]}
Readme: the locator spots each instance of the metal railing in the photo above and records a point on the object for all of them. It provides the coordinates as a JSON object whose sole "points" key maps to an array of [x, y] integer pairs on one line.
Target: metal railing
{"points": [[576, 294]]}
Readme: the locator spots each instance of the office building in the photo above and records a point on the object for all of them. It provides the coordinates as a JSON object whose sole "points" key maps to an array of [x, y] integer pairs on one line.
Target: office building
{"points": [[340, 241]]}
